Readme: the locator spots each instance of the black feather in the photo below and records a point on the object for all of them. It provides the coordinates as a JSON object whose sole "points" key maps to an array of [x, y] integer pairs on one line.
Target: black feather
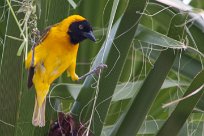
{"points": [[30, 76], [76, 34]]}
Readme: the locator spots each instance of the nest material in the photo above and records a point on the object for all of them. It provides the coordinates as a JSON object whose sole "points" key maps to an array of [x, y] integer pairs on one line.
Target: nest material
{"points": [[67, 126]]}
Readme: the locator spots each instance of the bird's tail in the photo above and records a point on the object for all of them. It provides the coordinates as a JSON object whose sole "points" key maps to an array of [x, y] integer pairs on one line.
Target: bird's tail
{"points": [[39, 114]]}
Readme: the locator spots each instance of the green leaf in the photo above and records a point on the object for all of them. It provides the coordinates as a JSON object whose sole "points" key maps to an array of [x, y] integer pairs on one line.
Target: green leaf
{"points": [[141, 104], [20, 49], [128, 90], [149, 36], [196, 14], [149, 127], [130, 68], [187, 65], [106, 88], [122, 91], [182, 111]]}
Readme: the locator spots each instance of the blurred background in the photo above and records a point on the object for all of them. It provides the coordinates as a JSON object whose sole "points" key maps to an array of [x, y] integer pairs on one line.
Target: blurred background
{"points": [[154, 52]]}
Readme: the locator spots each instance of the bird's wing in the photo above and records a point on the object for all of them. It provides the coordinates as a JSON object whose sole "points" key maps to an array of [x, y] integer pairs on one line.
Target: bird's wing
{"points": [[31, 70], [44, 34]]}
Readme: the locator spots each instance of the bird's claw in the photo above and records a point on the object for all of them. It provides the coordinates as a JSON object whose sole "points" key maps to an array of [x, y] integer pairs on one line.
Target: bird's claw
{"points": [[99, 68], [96, 71]]}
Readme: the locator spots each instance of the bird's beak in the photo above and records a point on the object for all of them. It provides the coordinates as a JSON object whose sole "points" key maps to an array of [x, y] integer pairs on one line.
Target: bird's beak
{"points": [[89, 35]]}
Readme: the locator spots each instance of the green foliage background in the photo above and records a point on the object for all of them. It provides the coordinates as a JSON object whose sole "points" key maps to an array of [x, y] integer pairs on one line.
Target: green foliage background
{"points": [[154, 55]]}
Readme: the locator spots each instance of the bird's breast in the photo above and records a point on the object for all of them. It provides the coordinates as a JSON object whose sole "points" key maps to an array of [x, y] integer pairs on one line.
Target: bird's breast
{"points": [[56, 65], [60, 54]]}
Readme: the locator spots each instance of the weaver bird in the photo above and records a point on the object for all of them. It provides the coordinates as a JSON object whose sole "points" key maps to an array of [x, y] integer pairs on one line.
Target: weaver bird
{"points": [[55, 53]]}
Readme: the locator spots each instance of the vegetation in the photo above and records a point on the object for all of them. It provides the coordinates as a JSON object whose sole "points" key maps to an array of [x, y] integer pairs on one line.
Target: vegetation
{"points": [[153, 84]]}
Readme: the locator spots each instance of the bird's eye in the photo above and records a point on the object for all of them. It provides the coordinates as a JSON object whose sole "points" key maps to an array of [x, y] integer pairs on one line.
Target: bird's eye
{"points": [[81, 27]]}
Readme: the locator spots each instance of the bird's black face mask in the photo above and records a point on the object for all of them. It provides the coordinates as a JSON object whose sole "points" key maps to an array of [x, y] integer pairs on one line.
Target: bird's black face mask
{"points": [[78, 31]]}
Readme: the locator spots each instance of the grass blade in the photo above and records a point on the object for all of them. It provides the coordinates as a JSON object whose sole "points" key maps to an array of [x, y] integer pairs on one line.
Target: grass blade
{"points": [[182, 111], [150, 88], [106, 88]]}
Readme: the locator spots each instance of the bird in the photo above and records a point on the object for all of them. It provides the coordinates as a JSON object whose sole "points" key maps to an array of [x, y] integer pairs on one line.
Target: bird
{"points": [[55, 53]]}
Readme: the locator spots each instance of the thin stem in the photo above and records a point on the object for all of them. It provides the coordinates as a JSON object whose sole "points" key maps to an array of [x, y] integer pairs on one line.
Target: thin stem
{"points": [[9, 4]]}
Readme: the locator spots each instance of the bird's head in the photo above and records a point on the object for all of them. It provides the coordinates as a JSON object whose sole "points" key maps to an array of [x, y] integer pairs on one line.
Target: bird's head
{"points": [[79, 29]]}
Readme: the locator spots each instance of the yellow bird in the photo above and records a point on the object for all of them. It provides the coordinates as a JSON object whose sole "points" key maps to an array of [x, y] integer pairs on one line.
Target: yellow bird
{"points": [[55, 53]]}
